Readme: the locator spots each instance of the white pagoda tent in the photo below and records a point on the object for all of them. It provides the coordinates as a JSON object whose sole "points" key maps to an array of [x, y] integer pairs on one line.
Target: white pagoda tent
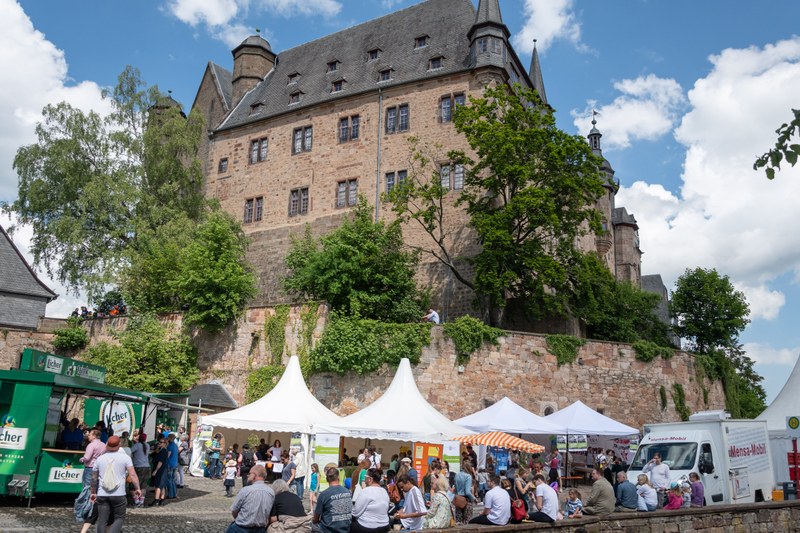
{"points": [[786, 403], [401, 413], [509, 417], [288, 407], [580, 419]]}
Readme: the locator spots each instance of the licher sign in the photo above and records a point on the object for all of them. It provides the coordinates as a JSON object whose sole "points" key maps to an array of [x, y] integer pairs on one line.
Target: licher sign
{"points": [[65, 475], [118, 415], [13, 438], [37, 361]]}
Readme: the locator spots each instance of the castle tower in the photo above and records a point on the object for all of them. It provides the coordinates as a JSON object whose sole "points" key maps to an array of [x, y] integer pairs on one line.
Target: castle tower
{"points": [[488, 39], [604, 243], [252, 60]]}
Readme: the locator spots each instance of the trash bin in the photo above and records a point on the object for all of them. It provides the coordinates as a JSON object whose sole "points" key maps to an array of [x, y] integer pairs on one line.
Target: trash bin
{"points": [[790, 490]]}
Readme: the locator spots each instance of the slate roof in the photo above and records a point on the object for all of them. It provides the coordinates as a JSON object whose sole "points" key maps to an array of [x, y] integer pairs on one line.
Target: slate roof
{"points": [[445, 22], [224, 81], [536, 75], [620, 216], [16, 276], [213, 394], [654, 283]]}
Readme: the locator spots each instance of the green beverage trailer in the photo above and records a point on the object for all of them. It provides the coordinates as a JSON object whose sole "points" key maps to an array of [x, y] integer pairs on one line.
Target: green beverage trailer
{"points": [[33, 399]]}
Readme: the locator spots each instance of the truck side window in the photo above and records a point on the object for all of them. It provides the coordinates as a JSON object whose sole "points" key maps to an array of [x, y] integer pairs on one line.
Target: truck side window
{"points": [[706, 464]]}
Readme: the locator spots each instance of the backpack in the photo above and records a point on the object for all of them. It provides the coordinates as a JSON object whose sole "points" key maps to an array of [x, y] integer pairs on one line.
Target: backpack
{"points": [[110, 481], [248, 459]]}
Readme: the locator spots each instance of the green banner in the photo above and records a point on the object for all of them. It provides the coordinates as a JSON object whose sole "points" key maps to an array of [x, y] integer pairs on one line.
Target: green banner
{"points": [[37, 361]]}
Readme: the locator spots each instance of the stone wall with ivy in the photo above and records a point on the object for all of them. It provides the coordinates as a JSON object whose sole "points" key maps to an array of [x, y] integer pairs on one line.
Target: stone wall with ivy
{"points": [[539, 372]]}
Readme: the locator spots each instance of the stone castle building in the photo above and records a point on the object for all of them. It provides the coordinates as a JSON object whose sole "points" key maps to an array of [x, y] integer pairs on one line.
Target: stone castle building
{"points": [[296, 136]]}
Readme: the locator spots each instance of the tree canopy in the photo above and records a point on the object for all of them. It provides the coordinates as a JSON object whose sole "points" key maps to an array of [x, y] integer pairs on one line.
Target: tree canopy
{"points": [[91, 184], [529, 195], [361, 269], [710, 313]]}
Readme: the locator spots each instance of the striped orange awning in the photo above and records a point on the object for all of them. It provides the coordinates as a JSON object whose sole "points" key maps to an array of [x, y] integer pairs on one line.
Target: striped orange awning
{"points": [[501, 440]]}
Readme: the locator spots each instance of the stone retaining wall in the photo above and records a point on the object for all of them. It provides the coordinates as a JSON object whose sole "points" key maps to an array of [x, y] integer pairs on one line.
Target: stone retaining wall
{"points": [[772, 517]]}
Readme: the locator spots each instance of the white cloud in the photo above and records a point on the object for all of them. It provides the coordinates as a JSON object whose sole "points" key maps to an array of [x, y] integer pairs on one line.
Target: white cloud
{"points": [[767, 355], [27, 86], [547, 21], [728, 216], [225, 19], [646, 110]]}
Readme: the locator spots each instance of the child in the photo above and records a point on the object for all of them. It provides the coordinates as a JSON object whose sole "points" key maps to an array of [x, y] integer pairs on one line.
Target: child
{"points": [[314, 487], [686, 495], [674, 496], [483, 481], [574, 503], [230, 477]]}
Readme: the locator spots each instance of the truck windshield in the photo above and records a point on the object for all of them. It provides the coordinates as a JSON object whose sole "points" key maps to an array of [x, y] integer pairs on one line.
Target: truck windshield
{"points": [[676, 455]]}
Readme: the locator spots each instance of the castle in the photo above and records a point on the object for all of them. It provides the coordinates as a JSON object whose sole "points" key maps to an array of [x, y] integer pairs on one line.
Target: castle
{"points": [[295, 137]]}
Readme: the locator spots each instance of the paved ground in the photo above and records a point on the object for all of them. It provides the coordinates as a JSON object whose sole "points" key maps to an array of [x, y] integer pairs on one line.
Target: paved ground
{"points": [[201, 508]]}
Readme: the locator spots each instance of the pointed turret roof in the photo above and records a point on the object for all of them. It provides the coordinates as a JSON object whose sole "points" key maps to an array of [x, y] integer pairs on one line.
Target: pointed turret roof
{"points": [[488, 16], [536, 74]]}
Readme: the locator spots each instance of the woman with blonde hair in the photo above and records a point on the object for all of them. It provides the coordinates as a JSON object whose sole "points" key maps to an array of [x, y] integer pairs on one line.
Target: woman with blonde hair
{"points": [[439, 513], [648, 497]]}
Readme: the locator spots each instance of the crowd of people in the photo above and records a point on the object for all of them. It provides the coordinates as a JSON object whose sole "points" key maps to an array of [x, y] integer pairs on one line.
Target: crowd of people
{"points": [[118, 466], [112, 311]]}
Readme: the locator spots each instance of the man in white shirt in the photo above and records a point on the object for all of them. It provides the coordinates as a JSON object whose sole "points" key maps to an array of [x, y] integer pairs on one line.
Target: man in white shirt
{"points": [[496, 505], [659, 476], [371, 509], [414, 509], [108, 486], [546, 501]]}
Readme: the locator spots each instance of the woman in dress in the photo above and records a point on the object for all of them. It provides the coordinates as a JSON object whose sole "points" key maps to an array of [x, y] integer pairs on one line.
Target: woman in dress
{"points": [[439, 513], [161, 472]]}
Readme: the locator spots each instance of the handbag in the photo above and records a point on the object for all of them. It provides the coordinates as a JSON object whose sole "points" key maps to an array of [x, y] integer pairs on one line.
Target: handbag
{"points": [[459, 501], [518, 511]]}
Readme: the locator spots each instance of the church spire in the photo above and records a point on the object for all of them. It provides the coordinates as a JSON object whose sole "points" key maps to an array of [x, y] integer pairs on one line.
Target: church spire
{"points": [[536, 74]]}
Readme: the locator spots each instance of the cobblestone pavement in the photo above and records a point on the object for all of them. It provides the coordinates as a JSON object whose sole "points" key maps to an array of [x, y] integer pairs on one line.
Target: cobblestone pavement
{"points": [[201, 508]]}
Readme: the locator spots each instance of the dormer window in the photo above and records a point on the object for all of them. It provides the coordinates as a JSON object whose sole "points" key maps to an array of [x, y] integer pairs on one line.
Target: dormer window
{"points": [[333, 66], [421, 41], [373, 54], [436, 63], [337, 86], [295, 97], [294, 77], [385, 75], [256, 108]]}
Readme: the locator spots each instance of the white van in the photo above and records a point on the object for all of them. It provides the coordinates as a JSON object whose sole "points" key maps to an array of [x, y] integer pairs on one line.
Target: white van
{"points": [[732, 457]]}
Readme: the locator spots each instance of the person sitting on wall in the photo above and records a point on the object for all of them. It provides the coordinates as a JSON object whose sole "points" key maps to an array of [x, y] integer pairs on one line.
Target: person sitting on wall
{"points": [[601, 500], [432, 317]]}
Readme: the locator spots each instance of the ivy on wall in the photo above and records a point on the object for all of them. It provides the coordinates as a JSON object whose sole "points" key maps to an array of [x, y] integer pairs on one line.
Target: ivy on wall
{"points": [[262, 380], [275, 331], [679, 399], [468, 335], [647, 351], [564, 347], [662, 392], [362, 345]]}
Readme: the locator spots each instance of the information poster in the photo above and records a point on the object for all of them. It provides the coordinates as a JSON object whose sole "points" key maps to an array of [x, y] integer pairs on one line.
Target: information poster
{"points": [[424, 453], [202, 440], [500, 458], [326, 451], [451, 451]]}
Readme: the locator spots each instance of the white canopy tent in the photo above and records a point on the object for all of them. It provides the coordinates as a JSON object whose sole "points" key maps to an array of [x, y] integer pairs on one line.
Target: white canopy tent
{"points": [[507, 416], [581, 419], [401, 413], [786, 403], [288, 407]]}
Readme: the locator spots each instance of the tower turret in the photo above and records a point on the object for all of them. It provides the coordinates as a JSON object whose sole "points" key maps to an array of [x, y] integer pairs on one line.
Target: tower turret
{"points": [[252, 60], [488, 36]]}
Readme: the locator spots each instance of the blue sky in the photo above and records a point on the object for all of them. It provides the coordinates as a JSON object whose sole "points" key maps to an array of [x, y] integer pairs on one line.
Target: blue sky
{"points": [[689, 93]]}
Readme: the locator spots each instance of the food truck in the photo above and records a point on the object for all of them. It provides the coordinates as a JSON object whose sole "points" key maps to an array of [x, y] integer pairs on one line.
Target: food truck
{"points": [[37, 396]]}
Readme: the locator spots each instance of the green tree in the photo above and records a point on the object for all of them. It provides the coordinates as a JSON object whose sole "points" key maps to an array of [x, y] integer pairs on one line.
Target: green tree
{"points": [[214, 281], [709, 311], [529, 195], [771, 160], [361, 269], [91, 184], [149, 357]]}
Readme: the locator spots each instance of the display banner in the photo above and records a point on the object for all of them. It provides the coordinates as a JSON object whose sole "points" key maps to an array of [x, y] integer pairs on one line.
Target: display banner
{"points": [[119, 416], [424, 453], [500, 458], [37, 361], [452, 454], [326, 450], [202, 439], [24, 414]]}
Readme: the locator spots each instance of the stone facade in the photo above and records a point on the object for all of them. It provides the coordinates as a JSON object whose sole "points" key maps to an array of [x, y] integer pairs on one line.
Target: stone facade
{"points": [[295, 93], [773, 517]]}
